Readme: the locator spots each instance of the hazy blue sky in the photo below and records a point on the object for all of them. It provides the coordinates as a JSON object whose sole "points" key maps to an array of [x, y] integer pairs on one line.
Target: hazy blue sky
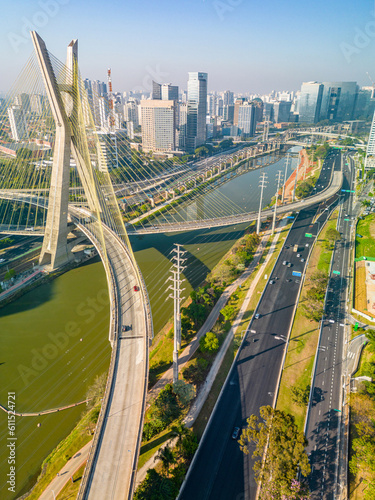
{"points": [[244, 45]]}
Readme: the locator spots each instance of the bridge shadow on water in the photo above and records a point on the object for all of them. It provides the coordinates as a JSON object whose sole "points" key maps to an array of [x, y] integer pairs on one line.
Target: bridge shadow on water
{"points": [[196, 269], [37, 296]]}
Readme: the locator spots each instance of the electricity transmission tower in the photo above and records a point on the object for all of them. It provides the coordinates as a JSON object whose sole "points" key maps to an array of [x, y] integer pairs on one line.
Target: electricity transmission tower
{"points": [[178, 267], [262, 184], [285, 177], [278, 178]]}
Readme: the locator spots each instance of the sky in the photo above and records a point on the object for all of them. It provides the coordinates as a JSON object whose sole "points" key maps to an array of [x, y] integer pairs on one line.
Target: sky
{"points": [[243, 45]]}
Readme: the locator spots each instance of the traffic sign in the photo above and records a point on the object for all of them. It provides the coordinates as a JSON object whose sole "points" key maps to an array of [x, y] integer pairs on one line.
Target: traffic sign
{"points": [[356, 326], [308, 235], [347, 219], [290, 217], [336, 272], [334, 409]]}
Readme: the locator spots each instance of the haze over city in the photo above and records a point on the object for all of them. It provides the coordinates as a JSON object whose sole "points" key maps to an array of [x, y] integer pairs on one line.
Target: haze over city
{"points": [[243, 45]]}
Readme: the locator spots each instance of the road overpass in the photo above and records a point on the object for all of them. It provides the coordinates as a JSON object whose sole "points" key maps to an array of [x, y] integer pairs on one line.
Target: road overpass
{"points": [[334, 186]]}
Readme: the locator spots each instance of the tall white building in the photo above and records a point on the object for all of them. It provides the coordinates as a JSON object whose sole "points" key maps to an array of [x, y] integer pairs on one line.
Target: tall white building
{"points": [[18, 125], [158, 125], [197, 110], [370, 154]]}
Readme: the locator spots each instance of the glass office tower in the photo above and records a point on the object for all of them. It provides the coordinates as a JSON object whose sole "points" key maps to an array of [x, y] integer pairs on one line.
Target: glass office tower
{"points": [[196, 110], [309, 102]]}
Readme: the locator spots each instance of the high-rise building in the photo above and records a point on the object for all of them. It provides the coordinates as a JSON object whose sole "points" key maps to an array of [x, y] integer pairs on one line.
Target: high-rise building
{"points": [[131, 112], [282, 111], [196, 110], [228, 112], [164, 91], [365, 105], [182, 120], [158, 125], [338, 101], [18, 125], [228, 98], [309, 102], [245, 116], [36, 105], [246, 119], [370, 154]]}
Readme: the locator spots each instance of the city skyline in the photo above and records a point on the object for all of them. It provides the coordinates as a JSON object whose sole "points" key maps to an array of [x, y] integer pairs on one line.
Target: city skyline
{"points": [[244, 47]]}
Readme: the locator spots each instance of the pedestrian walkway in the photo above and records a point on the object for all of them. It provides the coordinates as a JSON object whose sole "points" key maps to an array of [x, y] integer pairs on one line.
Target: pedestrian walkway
{"points": [[66, 473]]}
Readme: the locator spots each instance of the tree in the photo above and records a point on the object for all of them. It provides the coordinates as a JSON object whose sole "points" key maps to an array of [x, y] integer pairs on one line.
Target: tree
{"points": [[155, 487], [185, 392], [370, 335], [228, 312], [179, 430], [95, 392], [195, 372], [332, 234], [9, 274], [300, 395], [166, 406], [167, 458], [285, 451], [209, 343]]}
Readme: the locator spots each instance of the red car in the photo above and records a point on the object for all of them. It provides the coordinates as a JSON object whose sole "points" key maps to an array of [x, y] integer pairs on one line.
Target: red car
{"points": [[136, 288]]}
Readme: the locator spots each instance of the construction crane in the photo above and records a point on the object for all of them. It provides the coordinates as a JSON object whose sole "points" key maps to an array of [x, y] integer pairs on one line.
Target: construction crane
{"points": [[111, 115]]}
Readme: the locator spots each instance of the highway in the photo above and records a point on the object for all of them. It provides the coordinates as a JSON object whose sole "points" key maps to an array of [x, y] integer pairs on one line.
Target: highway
{"points": [[324, 419], [219, 469]]}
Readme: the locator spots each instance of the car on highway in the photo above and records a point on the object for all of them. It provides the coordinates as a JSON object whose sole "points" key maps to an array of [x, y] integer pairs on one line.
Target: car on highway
{"points": [[235, 433], [257, 316], [136, 288], [290, 264], [271, 282], [285, 263], [298, 255], [2, 260], [302, 260]]}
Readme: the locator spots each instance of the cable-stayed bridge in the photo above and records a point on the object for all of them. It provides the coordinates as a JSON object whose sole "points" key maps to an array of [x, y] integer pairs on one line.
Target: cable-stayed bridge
{"points": [[63, 167]]}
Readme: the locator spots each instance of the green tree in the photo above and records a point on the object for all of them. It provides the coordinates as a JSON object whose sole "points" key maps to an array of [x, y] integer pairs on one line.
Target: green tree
{"points": [[95, 392], [155, 487], [209, 343], [167, 458], [300, 395], [195, 372], [370, 335], [180, 431], [228, 312], [332, 234], [9, 274], [165, 406], [185, 392], [285, 453]]}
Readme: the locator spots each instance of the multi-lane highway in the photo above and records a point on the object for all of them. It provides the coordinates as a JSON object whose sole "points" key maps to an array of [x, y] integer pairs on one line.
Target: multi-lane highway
{"points": [[219, 469], [324, 419]]}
